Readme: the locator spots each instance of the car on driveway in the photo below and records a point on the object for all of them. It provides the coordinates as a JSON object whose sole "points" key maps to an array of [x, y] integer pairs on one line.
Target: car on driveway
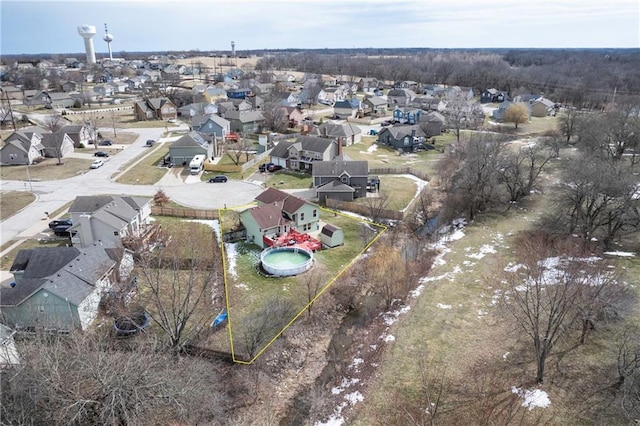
{"points": [[218, 178], [172, 120], [96, 164], [62, 231], [60, 222], [274, 168], [105, 142], [150, 142], [100, 154]]}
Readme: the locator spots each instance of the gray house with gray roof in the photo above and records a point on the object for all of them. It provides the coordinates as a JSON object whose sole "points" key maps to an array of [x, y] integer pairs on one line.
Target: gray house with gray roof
{"points": [[188, 146], [340, 179], [107, 219], [211, 124], [304, 152], [244, 121], [60, 288]]}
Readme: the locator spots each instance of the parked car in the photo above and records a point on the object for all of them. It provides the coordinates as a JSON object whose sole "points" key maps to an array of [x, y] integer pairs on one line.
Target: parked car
{"points": [[96, 164], [171, 120], [100, 154], [150, 142], [385, 123], [105, 142], [218, 178], [274, 168], [61, 222], [264, 167], [62, 231]]}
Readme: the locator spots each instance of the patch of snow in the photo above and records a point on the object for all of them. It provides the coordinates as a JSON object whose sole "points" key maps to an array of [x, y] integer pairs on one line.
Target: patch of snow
{"points": [[505, 355], [231, 255], [417, 291], [333, 420], [484, 250], [373, 347], [354, 397], [388, 338], [441, 306], [481, 313], [620, 253], [532, 398], [372, 148], [392, 316], [513, 267], [356, 362], [242, 286]]}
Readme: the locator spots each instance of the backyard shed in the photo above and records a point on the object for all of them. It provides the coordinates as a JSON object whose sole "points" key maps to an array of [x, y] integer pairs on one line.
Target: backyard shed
{"points": [[331, 236]]}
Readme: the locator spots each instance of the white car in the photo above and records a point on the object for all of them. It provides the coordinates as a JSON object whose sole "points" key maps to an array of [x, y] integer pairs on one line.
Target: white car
{"points": [[172, 120], [97, 163]]}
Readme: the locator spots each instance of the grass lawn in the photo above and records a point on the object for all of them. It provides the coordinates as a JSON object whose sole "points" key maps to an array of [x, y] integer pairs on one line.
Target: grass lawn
{"points": [[289, 180], [146, 172], [249, 290], [399, 191], [14, 201], [47, 169]]}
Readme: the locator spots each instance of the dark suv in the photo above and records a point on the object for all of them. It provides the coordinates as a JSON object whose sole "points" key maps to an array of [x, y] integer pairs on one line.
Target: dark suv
{"points": [[100, 154], [62, 222], [105, 142], [219, 178], [150, 142]]}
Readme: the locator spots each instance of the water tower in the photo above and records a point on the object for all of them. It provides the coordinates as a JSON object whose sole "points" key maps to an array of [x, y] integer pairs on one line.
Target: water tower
{"points": [[87, 32], [233, 49], [108, 38]]}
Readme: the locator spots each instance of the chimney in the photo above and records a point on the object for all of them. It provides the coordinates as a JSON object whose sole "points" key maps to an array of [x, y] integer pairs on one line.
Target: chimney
{"points": [[85, 231]]}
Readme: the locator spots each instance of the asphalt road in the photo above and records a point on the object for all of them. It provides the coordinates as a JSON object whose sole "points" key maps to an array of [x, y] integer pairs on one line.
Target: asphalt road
{"points": [[52, 195]]}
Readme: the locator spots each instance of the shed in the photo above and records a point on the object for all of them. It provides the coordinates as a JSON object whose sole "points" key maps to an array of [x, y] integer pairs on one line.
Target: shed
{"points": [[331, 236]]}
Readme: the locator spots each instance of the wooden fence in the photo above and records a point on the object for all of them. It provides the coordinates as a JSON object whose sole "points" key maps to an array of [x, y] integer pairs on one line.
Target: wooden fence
{"points": [[363, 209], [186, 213], [399, 171]]}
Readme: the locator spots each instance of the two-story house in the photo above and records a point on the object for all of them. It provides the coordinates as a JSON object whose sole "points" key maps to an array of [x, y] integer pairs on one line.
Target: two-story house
{"points": [[406, 115], [347, 108], [340, 179], [408, 138], [492, 96], [278, 213], [60, 288], [375, 106], [155, 109], [79, 134], [211, 124], [244, 121], [182, 151], [344, 133], [400, 97], [306, 150], [22, 147], [108, 219]]}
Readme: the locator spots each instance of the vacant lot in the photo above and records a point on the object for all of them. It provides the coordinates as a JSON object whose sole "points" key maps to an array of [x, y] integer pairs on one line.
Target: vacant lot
{"points": [[14, 201], [49, 169]]}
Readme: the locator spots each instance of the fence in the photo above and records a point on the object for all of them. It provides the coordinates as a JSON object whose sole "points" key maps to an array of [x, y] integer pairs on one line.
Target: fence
{"points": [[399, 171], [186, 213], [364, 210]]}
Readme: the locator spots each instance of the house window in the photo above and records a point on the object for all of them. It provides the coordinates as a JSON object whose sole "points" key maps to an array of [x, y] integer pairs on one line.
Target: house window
{"points": [[116, 233], [406, 141], [302, 216], [344, 179], [315, 213]]}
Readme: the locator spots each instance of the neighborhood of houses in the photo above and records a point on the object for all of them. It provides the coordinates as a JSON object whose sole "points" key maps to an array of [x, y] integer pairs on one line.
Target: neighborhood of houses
{"points": [[59, 289]]}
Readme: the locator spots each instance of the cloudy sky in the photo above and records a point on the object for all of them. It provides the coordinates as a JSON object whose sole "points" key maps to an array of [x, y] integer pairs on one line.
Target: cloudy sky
{"points": [[29, 26]]}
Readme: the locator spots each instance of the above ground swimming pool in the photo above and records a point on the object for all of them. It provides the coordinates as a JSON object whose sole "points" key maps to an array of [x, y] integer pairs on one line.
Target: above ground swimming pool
{"points": [[286, 261]]}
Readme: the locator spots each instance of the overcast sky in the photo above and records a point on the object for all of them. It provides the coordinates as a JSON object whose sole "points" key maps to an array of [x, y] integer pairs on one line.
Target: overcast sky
{"points": [[29, 26]]}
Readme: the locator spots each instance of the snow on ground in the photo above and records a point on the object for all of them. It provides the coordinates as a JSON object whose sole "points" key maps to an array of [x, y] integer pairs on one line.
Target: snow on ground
{"points": [[231, 255], [443, 306], [417, 291], [620, 253], [484, 250], [388, 338], [513, 267], [532, 398]]}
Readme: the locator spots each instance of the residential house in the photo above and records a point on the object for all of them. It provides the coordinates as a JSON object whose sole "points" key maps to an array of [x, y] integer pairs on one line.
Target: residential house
{"points": [[182, 151], [57, 144], [79, 134], [340, 179], [155, 109], [60, 288], [432, 123], [212, 94], [301, 154], [330, 95], [368, 84], [498, 113], [428, 103], [69, 86], [61, 100], [256, 102], [406, 115], [375, 105], [118, 86], [102, 90], [345, 134], [22, 147], [400, 97], [198, 108], [211, 124], [346, 109], [492, 96], [278, 213], [408, 138], [408, 84], [107, 219], [238, 93], [262, 88], [294, 115], [289, 99], [542, 107], [244, 121]]}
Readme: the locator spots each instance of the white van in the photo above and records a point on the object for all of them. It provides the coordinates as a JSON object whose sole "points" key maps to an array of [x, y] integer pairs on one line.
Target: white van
{"points": [[197, 163]]}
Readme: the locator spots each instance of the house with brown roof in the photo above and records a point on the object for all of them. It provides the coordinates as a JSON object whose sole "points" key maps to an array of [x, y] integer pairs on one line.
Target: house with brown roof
{"points": [[155, 109], [278, 213], [306, 150]]}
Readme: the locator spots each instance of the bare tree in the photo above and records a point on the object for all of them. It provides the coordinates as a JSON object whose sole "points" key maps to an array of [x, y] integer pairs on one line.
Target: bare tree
{"points": [[113, 117], [235, 151], [516, 113], [462, 113], [376, 206], [93, 122], [570, 122], [176, 281], [275, 117], [313, 281], [543, 295], [425, 407], [519, 171], [628, 367], [54, 123]]}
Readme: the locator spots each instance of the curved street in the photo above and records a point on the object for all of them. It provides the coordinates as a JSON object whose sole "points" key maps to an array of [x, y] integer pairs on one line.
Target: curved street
{"points": [[52, 195]]}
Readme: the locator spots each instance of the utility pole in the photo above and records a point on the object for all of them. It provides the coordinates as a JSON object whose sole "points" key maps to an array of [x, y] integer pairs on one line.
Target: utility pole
{"points": [[13, 120]]}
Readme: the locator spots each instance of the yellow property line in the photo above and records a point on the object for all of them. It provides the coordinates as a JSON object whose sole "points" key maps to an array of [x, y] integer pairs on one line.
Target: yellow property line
{"points": [[333, 280]]}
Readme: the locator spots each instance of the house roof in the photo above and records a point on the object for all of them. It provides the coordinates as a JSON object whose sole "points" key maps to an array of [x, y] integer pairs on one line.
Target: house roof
{"points": [[376, 101], [339, 166], [433, 116], [201, 119], [49, 140], [338, 130], [329, 229], [313, 143], [398, 132], [244, 116], [114, 211], [335, 186], [188, 141], [269, 215], [347, 103], [290, 203], [281, 150], [89, 203]]}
